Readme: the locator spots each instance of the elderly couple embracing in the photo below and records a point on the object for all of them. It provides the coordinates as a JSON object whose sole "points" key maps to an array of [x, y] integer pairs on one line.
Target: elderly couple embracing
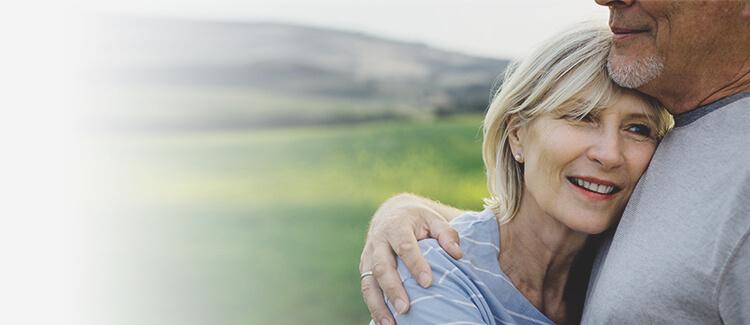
{"points": [[618, 169]]}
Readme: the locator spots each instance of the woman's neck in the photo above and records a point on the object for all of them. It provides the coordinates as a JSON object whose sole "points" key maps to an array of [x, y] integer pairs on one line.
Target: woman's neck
{"points": [[536, 253]]}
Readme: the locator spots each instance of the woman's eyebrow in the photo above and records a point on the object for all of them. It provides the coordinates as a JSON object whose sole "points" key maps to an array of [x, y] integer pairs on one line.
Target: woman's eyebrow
{"points": [[576, 104], [641, 115]]}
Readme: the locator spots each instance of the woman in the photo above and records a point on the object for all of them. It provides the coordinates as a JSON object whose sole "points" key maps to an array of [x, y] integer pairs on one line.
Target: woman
{"points": [[563, 148]]}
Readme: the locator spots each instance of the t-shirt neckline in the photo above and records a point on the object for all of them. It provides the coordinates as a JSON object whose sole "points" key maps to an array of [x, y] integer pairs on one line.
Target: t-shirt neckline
{"points": [[693, 115]]}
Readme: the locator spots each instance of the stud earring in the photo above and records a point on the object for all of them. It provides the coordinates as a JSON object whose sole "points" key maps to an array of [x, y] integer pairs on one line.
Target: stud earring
{"points": [[518, 157]]}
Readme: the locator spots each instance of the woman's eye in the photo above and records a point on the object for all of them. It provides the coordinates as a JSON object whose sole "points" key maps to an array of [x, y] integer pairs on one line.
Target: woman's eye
{"points": [[640, 129], [587, 118]]}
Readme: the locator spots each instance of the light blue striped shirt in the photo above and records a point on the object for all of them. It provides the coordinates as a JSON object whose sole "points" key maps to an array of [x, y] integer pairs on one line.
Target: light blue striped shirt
{"points": [[472, 290]]}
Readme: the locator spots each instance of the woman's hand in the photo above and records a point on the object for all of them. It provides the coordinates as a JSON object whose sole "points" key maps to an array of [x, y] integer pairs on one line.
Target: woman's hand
{"points": [[396, 226]]}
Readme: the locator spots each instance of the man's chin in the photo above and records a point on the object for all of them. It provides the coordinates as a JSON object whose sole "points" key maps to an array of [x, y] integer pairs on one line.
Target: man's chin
{"points": [[630, 72]]}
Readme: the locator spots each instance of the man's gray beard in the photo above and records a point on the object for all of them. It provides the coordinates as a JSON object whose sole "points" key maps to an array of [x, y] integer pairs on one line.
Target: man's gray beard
{"points": [[635, 74]]}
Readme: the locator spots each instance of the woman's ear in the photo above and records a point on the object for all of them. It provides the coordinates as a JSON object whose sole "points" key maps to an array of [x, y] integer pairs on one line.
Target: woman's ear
{"points": [[516, 134]]}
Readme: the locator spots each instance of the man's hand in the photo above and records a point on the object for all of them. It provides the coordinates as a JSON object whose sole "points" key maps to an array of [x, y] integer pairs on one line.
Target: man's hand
{"points": [[396, 227]]}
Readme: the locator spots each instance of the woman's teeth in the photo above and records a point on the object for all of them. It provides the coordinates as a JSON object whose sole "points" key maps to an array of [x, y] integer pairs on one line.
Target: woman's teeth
{"points": [[598, 188]]}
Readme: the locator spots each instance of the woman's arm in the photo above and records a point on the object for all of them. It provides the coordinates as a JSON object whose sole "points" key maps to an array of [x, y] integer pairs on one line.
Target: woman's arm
{"points": [[396, 226]]}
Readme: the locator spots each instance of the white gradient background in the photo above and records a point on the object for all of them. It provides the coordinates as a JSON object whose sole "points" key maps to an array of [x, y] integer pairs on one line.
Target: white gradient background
{"points": [[48, 241], [495, 28]]}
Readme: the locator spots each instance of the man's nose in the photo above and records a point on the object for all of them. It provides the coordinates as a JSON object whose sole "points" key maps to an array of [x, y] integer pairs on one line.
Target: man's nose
{"points": [[615, 3]]}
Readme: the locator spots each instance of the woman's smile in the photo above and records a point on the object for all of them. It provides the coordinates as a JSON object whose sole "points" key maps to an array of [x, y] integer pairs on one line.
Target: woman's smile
{"points": [[593, 188]]}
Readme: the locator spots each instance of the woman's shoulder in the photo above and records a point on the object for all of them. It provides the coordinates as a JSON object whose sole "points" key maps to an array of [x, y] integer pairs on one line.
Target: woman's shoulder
{"points": [[479, 239], [478, 232], [471, 221], [457, 294]]}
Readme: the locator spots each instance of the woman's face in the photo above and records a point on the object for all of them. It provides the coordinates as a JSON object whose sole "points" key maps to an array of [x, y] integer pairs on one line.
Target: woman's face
{"points": [[581, 173]]}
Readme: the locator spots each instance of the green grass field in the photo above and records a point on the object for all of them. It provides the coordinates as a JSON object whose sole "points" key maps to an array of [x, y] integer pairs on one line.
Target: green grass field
{"points": [[266, 226]]}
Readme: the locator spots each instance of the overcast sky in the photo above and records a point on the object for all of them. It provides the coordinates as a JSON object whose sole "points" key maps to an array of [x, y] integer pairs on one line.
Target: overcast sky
{"points": [[495, 28]]}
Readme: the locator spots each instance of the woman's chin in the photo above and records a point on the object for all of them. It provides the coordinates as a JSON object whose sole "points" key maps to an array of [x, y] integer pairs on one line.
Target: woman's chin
{"points": [[591, 227]]}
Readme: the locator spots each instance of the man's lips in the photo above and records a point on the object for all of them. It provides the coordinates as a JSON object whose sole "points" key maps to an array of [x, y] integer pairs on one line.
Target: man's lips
{"points": [[621, 33], [624, 30]]}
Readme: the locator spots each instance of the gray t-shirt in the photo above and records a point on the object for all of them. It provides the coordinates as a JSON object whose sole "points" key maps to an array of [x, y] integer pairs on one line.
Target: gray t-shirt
{"points": [[681, 253]]}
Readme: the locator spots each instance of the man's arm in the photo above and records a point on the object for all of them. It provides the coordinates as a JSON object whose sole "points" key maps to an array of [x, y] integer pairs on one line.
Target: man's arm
{"points": [[396, 226]]}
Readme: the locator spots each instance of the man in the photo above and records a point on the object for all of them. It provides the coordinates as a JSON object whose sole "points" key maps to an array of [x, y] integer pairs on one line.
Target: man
{"points": [[681, 253]]}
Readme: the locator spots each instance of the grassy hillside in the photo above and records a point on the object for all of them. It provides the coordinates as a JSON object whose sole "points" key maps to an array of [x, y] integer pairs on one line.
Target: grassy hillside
{"points": [[266, 227]]}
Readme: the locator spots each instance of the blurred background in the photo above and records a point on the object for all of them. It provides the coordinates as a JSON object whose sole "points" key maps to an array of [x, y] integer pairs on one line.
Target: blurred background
{"points": [[229, 155]]}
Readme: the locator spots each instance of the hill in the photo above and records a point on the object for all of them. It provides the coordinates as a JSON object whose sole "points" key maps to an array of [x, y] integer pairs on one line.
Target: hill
{"points": [[187, 74]]}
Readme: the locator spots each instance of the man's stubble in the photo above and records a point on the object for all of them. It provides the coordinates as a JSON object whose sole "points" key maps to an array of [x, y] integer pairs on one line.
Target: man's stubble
{"points": [[635, 74]]}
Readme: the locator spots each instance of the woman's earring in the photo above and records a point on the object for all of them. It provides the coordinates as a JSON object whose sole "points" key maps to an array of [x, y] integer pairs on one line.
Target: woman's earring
{"points": [[518, 157]]}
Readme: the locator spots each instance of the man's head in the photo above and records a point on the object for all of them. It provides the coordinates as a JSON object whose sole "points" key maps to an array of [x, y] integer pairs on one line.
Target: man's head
{"points": [[679, 51]]}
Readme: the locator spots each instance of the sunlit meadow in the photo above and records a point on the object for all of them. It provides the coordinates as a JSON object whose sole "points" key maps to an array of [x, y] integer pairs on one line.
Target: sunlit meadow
{"points": [[266, 226]]}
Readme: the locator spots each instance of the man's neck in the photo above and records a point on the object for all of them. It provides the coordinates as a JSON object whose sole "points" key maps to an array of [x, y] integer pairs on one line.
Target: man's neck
{"points": [[687, 93]]}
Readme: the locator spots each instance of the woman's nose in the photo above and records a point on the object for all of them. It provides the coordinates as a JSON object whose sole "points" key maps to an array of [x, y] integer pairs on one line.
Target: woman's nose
{"points": [[607, 150]]}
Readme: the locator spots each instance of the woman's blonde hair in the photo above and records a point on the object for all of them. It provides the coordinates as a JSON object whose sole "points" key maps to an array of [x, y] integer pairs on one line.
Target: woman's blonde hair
{"points": [[568, 72]]}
